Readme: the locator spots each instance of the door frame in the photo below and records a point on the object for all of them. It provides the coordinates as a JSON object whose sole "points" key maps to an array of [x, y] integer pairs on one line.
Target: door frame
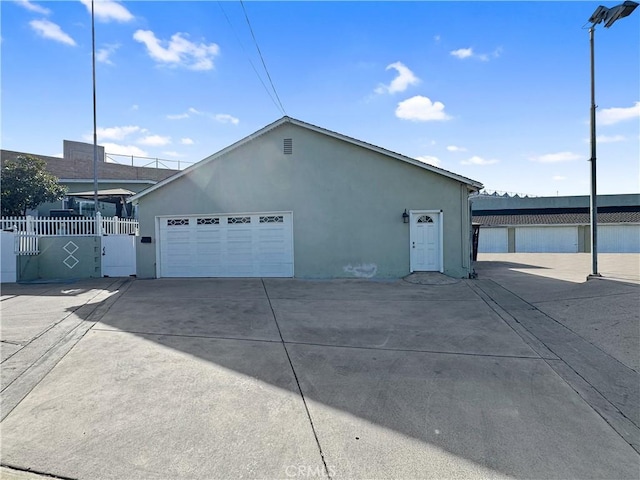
{"points": [[412, 216]]}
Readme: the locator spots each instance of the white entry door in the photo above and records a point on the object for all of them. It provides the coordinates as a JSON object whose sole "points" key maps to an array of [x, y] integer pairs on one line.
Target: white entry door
{"points": [[426, 241], [118, 255]]}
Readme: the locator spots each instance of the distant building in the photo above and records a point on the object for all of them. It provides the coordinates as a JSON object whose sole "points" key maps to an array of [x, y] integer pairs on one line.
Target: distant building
{"points": [[75, 171], [556, 224]]}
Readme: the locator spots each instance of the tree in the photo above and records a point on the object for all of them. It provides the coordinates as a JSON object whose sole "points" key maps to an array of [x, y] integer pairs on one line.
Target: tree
{"points": [[26, 184]]}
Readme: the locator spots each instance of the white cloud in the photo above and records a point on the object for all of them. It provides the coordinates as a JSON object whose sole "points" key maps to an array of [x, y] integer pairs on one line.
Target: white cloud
{"points": [[475, 160], [117, 133], [225, 118], [453, 148], [421, 109], [435, 161], [178, 116], [220, 117], [135, 107], [186, 141], [48, 29], [610, 116], [403, 80], [178, 51], [154, 140], [107, 10], [558, 178], [609, 138], [556, 157], [32, 7], [462, 53], [436, 38], [129, 150], [58, 155], [103, 54]]}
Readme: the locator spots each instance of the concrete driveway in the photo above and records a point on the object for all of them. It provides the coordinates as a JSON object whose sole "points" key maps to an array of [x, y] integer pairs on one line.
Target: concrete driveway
{"points": [[211, 378]]}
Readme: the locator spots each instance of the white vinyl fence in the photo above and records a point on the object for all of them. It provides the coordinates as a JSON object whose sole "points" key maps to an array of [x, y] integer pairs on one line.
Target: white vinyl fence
{"points": [[29, 229]]}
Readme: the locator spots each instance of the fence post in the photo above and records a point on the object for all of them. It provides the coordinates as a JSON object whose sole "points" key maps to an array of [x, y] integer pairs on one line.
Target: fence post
{"points": [[98, 224], [31, 225]]}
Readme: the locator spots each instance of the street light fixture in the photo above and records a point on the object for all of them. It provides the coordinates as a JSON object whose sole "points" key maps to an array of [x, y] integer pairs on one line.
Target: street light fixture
{"points": [[609, 16]]}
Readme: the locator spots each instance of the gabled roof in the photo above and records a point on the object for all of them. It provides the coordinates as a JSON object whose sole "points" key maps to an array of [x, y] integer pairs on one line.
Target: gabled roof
{"points": [[284, 120]]}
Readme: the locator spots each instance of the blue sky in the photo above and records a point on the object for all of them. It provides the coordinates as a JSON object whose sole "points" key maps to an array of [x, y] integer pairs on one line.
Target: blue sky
{"points": [[495, 91]]}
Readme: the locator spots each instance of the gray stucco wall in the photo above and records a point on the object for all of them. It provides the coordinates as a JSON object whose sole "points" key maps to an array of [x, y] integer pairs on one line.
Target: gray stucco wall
{"points": [[347, 203], [54, 262]]}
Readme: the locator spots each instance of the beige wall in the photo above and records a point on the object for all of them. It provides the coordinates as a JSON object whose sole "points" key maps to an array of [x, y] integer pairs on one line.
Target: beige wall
{"points": [[347, 203]]}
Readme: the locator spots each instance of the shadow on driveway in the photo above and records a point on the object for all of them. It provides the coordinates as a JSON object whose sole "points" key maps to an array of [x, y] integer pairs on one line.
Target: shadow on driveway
{"points": [[210, 378]]}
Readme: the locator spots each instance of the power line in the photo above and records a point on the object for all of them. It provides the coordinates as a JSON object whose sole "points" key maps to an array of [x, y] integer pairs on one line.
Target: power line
{"points": [[262, 58], [266, 89]]}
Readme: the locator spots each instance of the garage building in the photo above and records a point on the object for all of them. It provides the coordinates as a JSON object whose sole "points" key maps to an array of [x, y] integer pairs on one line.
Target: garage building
{"points": [[297, 200], [556, 224]]}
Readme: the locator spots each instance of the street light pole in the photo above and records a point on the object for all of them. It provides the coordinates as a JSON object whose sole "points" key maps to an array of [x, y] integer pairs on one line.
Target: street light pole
{"points": [[609, 17], [594, 196]]}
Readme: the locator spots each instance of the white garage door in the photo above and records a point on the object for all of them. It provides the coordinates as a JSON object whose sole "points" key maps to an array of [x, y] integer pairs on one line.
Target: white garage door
{"points": [[547, 239], [619, 238], [493, 240], [239, 245]]}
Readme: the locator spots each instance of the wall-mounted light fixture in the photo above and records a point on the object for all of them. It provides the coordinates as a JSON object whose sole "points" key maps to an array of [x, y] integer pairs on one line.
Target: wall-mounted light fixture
{"points": [[405, 216]]}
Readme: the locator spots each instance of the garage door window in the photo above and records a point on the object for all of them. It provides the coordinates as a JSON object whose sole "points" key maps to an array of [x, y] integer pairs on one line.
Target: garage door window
{"points": [[208, 221], [176, 222], [272, 219], [232, 220]]}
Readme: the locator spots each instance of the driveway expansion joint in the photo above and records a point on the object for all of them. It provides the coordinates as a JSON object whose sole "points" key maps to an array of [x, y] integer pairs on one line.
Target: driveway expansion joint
{"points": [[295, 375], [183, 335], [35, 472], [413, 350]]}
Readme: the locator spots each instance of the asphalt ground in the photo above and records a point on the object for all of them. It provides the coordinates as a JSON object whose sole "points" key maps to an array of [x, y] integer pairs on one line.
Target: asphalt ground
{"points": [[528, 371]]}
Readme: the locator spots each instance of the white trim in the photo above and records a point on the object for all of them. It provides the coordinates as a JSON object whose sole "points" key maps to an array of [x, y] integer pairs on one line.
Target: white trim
{"points": [[440, 214], [471, 184], [157, 265]]}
